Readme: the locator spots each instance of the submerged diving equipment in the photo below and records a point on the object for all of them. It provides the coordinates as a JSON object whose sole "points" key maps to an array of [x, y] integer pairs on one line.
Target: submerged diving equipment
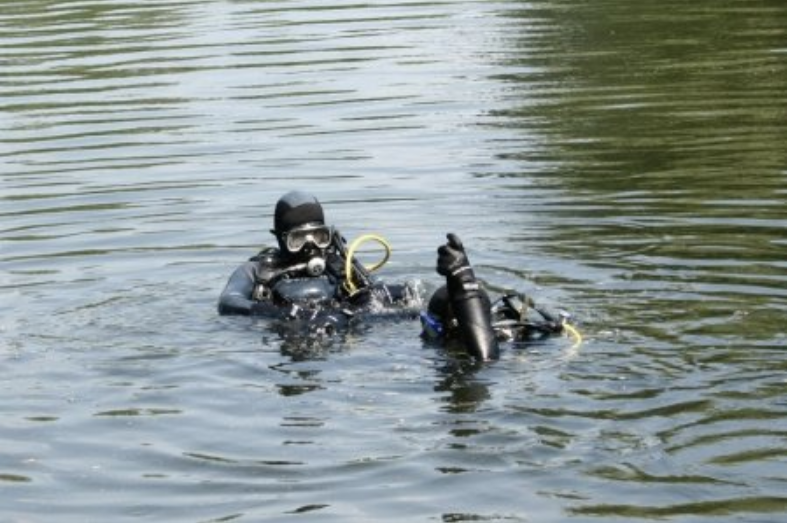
{"points": [[519, 318], [297, 239]]}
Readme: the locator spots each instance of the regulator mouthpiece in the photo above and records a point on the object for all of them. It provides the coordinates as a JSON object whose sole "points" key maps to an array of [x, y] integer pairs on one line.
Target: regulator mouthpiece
{"points": [[315, 266]]}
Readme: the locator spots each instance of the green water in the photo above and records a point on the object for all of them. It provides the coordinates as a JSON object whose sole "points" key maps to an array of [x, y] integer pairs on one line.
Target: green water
{"points": [[623, 160]]}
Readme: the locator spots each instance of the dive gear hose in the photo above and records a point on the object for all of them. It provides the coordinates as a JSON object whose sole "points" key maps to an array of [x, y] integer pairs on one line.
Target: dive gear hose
{"points": [[574, 334], [350, 262]]}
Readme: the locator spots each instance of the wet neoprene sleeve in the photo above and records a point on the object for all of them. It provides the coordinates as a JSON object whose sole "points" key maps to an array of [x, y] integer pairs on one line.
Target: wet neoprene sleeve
{"points": [[473, 314], [236, 296]]}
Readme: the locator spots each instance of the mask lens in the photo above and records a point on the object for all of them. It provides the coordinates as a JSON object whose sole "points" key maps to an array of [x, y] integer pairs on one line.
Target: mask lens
{"points": [[298, 238], [322, 237]]}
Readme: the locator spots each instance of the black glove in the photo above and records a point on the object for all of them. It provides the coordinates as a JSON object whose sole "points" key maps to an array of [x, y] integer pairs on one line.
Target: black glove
{"points": [[452, 260]]}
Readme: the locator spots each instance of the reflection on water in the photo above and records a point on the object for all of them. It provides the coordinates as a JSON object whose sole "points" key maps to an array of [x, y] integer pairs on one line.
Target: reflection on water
{"points": [[625, 161]]}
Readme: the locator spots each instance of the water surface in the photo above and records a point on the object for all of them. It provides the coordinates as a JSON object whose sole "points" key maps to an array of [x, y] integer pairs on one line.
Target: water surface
{"points": [[621, 160]]}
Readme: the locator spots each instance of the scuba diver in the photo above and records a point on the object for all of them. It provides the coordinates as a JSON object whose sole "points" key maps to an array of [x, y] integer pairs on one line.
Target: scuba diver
{"points": [[316, 286], [460, 312], [312, 276]]}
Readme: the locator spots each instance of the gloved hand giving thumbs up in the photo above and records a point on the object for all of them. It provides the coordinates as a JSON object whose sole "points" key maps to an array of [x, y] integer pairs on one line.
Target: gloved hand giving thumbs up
{"points": [[452, 258]]}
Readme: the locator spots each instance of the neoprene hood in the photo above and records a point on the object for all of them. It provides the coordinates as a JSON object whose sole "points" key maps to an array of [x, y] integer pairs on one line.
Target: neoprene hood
{"points": [[297, 208]]}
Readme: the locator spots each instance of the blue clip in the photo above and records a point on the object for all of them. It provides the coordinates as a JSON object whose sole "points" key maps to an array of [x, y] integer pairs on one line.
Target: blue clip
{"points": [[431, 325]]}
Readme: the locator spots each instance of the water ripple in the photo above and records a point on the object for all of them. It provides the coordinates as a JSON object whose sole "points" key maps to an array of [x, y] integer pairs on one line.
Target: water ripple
{"points": [[620, 160]]}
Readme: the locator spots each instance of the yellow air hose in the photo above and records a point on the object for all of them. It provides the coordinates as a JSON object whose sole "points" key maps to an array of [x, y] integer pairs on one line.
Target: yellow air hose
{"points": [[348, 262], [574, 334]]}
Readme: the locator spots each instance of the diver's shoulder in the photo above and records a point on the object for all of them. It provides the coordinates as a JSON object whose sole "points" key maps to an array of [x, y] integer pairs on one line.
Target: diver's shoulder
{"points": [[267, 256]]}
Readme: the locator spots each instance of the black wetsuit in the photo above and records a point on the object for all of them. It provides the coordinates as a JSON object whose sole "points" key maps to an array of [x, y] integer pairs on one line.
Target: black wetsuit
{"points": [[248, 290], [273, 286]]}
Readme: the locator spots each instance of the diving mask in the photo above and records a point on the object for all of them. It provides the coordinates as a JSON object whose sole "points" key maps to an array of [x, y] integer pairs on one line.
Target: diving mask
{"points": [[319, 235]]}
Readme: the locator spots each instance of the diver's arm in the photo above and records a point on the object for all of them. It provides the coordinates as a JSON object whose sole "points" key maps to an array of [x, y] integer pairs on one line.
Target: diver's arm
{"points": [[473, 314], [236, 296]]}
